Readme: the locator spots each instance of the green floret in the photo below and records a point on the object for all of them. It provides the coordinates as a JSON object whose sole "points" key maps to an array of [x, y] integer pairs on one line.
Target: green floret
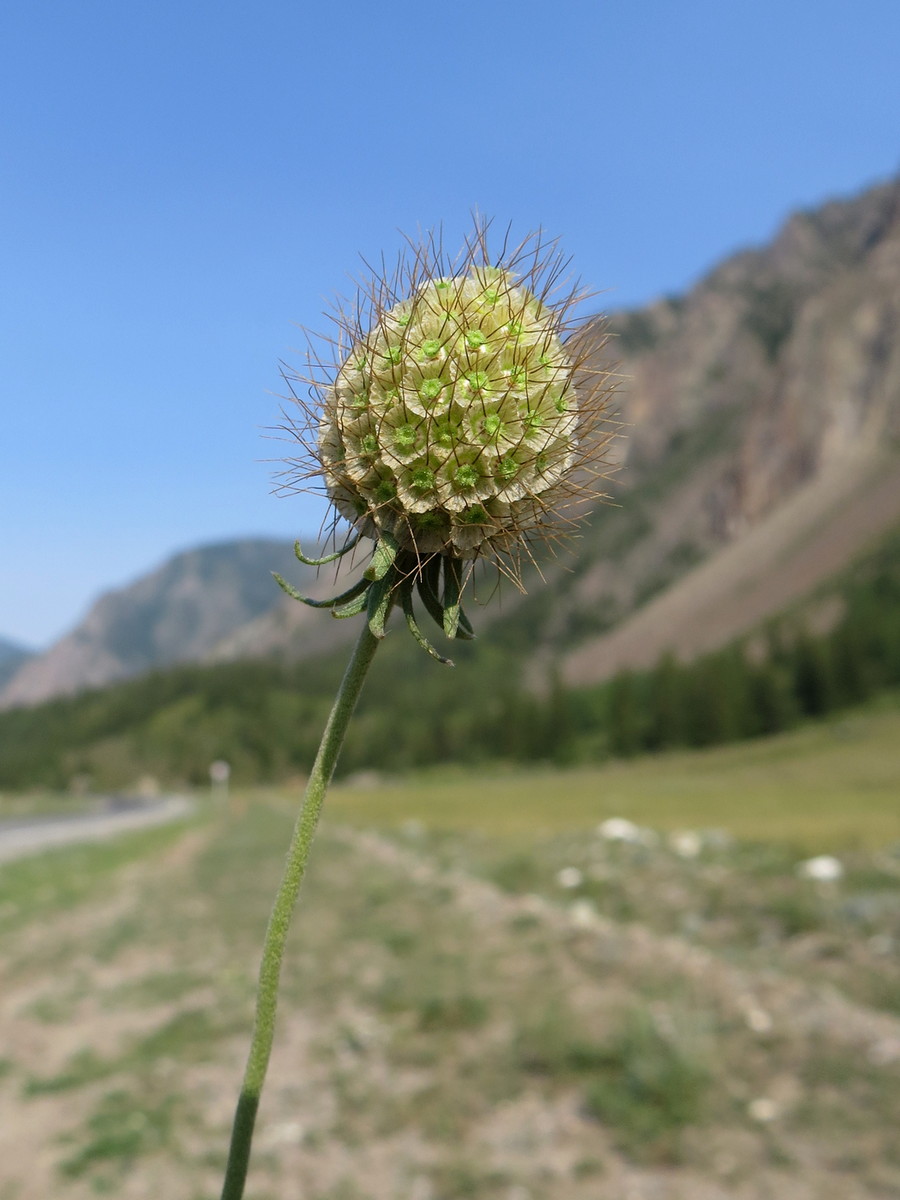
{"points": [[430, 389], [466, 476]]}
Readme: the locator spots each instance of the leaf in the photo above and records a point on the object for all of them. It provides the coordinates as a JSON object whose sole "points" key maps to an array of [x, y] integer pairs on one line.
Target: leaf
{"points": [[383, 558], [380, 602], [407, 603], [335, 600], [329, 558]]}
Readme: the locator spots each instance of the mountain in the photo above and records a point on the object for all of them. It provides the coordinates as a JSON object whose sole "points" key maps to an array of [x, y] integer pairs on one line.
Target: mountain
{"points": [[762, 453], [12, 656], [761, 413], [177, 613]]}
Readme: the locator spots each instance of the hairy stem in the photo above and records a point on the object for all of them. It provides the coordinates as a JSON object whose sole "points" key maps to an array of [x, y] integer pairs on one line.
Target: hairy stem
{"points": [[280, 920]]}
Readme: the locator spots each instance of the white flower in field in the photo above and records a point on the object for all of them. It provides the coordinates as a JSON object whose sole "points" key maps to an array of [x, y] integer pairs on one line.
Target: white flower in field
{"points": [[824, 868], [618, 829], [517, 1192], [570, 877], [763, 1109], [885, 1052], [758, 1020], [583, 914], [686, 843]]}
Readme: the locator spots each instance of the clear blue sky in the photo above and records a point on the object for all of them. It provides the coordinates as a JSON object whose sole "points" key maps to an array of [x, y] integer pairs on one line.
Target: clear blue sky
{"points": [[181, 182]]}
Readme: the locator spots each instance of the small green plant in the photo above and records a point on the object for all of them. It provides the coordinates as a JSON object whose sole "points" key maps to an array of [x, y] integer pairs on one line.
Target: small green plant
{"points": [[647, 1088], [456, 426], [121, 1129], [460, 1011]]}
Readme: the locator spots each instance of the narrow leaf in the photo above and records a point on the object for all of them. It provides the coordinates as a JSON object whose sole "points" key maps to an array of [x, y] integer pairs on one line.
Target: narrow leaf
{"points": [[381, 599], [341, 599], [329, 558], [383, 558], [354, 608], [407, 602]]}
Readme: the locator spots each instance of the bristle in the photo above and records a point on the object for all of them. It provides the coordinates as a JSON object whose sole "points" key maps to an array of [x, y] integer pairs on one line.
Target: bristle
{"points": [[457, 406]]}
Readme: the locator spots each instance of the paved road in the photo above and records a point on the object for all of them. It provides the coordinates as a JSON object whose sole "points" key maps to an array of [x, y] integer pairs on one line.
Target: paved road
{"points": [[21, 837]]}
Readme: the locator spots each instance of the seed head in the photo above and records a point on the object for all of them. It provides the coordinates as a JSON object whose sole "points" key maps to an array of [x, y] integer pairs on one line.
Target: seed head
{"points": [[457, 416]]}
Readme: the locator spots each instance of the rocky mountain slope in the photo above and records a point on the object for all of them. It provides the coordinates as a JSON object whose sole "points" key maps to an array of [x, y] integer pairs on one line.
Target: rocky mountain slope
{"points": [[177, 613], [764, 409]]}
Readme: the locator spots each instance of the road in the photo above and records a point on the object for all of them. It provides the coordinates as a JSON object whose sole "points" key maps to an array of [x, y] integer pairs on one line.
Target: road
{"points": [[30, 836]]}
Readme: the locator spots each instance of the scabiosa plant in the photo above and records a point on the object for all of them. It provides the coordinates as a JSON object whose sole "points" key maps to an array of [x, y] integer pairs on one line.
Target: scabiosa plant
{"points": [[457, 419]]}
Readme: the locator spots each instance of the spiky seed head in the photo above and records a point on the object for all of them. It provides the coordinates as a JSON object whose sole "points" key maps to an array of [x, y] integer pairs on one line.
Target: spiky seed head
{"points": [[458, 417]]}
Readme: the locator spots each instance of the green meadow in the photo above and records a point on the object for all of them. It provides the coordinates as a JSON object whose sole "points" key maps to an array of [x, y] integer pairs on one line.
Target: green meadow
{"points": [[828, 785]]}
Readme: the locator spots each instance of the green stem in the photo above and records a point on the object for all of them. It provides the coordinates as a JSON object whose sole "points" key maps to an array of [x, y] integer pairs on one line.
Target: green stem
{"points": [[280, 920]]}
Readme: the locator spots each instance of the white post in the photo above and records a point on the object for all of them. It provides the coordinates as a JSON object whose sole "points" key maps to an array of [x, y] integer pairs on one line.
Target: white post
{"points": [[219, 774]]}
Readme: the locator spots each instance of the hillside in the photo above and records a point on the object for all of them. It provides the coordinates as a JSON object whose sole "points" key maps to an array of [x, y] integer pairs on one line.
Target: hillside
{"points": [[764, 412], [176, 613], [772, 567], [839, 650]]}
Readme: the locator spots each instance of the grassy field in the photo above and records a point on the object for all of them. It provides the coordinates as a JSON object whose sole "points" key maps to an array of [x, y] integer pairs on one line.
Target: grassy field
{"points": [[484, 996], [828, 785]]}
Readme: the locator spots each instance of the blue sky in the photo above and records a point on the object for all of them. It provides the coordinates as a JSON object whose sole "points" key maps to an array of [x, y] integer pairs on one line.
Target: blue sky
{"points": [[185, 182]]}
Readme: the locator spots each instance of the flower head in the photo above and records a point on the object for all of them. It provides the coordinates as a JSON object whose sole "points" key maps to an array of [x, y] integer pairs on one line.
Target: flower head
{"points": [[457, 421]]}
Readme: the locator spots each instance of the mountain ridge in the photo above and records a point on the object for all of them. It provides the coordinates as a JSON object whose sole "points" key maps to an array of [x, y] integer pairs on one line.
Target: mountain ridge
{"points": [[175, 613]]}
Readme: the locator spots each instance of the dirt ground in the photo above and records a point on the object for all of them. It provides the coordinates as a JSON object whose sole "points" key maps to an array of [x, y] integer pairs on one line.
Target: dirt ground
{"points": [[439, 1033]]}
